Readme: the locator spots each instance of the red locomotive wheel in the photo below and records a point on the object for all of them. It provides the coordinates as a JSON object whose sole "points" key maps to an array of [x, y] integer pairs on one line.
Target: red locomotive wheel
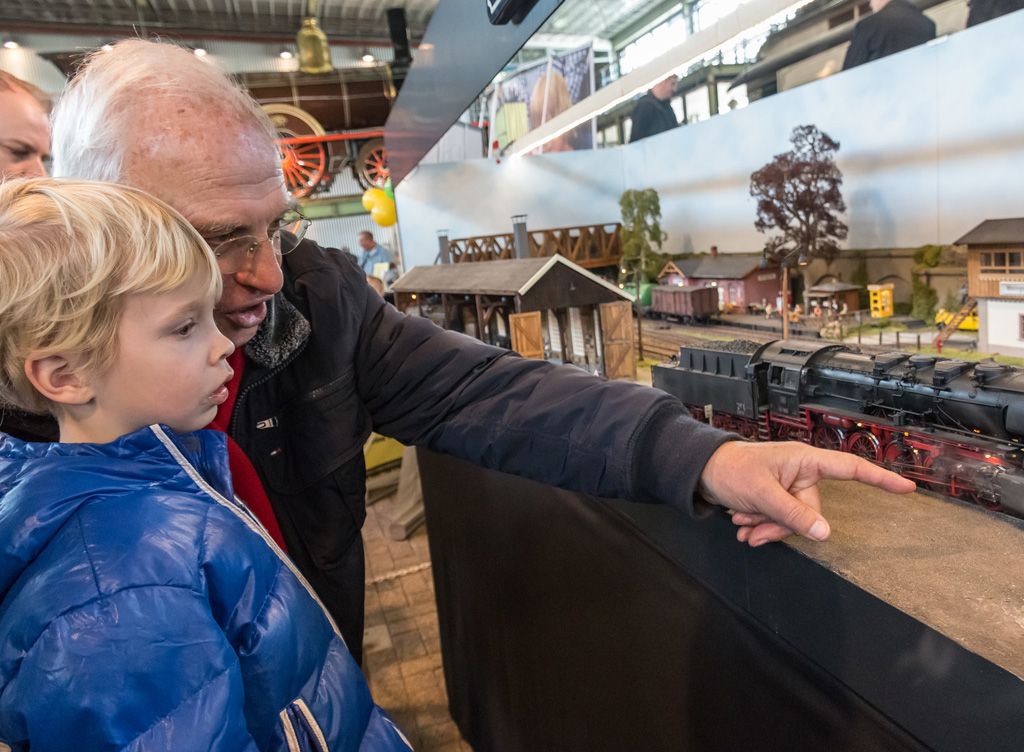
{"points": [[898, 457], [827, 437], [925, 462], [304, 167], [863, 444], [372, 164]]}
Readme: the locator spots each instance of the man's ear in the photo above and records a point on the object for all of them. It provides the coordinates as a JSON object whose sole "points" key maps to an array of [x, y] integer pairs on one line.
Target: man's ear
{"points": [[58, 379]]}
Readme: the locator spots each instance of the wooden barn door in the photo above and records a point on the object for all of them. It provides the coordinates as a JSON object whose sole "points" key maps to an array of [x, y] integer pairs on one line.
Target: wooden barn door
{"points": [[617, 337], [527, 339]]}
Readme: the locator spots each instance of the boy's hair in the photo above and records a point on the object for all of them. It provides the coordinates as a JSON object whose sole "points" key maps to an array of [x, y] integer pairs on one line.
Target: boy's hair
{"points": [[70, 253]]}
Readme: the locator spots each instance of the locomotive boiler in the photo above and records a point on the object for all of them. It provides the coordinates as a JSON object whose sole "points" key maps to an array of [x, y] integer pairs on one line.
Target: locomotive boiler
{"points": [[951, 425]]}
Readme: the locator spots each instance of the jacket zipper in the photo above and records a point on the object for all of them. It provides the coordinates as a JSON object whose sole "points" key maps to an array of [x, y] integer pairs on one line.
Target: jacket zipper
{"points": [[259, 382], [298, 711]]}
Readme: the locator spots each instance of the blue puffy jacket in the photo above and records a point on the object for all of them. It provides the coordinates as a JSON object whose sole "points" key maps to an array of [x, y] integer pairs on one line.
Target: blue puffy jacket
{"points": [[144, 608]]}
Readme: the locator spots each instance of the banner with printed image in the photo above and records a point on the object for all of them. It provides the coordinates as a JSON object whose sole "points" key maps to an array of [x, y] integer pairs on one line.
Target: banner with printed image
{"points": [[532, 96]]}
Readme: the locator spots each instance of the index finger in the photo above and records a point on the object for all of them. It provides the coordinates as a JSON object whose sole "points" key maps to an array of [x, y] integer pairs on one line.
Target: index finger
{"points": [[841, 466]]}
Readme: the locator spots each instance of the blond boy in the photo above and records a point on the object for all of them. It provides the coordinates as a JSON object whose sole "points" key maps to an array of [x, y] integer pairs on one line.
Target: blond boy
{"points": [[143, 607]]}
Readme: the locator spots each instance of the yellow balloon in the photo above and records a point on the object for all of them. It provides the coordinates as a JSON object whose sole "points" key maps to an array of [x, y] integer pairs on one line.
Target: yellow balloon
{"points": [[384, 214], [372, 197]]}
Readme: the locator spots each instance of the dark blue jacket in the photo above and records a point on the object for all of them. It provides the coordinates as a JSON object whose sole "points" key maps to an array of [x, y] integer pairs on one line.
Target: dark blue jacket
{"points": [[144, 608]]}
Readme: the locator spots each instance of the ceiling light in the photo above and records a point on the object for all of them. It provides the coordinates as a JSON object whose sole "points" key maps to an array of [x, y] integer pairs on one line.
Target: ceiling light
{"points": [[367, 57], [10, 44], [199, 52], [285, 54]]}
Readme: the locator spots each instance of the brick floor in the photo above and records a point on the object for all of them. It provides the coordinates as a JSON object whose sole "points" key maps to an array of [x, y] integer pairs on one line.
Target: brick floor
{"points": [[402, 651]]}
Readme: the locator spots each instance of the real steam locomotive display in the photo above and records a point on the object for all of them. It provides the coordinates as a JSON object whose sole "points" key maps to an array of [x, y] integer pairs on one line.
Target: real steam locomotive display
{"points": [[953, 426]]}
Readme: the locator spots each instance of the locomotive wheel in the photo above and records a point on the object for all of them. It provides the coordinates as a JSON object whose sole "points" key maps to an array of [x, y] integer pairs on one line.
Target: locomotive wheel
{"points": [[304, 165], [827, 437], [372, 164], [925, 462], [897, 457], [863, 444]]}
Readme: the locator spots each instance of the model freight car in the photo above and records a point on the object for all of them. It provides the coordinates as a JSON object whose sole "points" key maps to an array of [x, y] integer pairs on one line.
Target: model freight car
{"points": [[948, 424], [686, 304]]}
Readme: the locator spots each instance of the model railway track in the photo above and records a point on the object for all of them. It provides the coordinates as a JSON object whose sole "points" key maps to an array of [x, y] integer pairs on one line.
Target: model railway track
{"points": [[665, 343]]}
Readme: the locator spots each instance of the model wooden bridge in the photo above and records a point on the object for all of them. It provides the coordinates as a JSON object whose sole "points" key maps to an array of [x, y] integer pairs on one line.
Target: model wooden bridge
{"points": [[590, 246]]}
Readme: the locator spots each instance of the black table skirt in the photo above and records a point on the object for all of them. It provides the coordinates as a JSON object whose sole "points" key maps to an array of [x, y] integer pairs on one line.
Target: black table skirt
{"points": [[571, 623]]}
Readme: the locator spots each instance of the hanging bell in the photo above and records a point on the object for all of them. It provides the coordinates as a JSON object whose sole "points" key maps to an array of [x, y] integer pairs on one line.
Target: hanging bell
{"points": [[314, 52]]}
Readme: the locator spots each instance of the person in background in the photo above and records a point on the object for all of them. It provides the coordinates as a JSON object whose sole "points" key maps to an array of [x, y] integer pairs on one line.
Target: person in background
{"points": [[986, 10], [373, 253], [142, 606], [653, 113], [24, 128], [893, 26], [325, 360], [24, 152]]}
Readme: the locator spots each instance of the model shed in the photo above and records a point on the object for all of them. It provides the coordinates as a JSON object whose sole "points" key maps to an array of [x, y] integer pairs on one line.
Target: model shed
{"points": [[540, 307], [739, 278]]}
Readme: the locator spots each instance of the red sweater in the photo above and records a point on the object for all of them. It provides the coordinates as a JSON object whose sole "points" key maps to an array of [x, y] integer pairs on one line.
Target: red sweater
{"points": [[243, 475]]}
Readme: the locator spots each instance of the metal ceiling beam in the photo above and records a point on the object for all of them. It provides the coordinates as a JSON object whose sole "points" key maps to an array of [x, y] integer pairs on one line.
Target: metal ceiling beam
{"points": [[640, 24], [541, 41], [113, 31]]}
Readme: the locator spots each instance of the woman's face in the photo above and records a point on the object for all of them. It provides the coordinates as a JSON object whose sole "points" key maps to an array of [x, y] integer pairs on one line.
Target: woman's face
{"points": [[24, 135]]}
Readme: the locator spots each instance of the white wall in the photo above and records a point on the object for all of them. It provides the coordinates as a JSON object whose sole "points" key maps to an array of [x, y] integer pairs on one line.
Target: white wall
{"points": [[932, 144], [1001, 325]]}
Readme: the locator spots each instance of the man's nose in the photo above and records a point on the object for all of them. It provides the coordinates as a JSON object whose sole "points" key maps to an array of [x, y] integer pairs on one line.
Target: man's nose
{"points": [[34, 168], [263, 272]]}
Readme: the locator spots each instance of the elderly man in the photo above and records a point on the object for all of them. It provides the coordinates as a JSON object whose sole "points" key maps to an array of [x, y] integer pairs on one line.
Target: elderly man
{"points": [[24, 129], [322, 359], [653, 114], [373, 253]]}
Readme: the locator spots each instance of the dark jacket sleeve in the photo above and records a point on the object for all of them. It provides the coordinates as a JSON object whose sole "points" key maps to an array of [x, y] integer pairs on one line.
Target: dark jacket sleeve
{"points": [[555, 424], [859, 51]]}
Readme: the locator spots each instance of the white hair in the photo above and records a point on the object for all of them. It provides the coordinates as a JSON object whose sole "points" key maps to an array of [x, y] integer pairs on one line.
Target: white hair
{"points": [[110, 95]]}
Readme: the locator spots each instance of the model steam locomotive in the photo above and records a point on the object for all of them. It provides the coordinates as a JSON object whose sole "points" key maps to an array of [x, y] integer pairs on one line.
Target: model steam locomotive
{"points": [[953, 426]]}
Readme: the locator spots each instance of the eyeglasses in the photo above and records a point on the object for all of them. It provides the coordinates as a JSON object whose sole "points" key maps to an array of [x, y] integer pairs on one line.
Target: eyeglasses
{"points": [[236, 254]]}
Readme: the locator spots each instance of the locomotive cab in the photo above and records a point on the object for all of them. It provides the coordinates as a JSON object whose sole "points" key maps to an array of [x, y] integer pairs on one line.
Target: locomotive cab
{"points": [[786, 362]]}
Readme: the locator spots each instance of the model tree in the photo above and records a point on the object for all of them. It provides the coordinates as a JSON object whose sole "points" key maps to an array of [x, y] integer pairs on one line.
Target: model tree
{"points": [[641, 233], [799, 195]]}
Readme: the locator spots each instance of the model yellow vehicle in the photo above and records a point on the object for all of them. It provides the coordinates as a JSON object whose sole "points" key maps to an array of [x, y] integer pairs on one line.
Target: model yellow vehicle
{"points": [[969, 324]]}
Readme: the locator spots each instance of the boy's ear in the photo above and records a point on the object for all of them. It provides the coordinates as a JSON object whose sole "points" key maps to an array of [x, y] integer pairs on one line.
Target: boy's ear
{"points": [[58, 379]]}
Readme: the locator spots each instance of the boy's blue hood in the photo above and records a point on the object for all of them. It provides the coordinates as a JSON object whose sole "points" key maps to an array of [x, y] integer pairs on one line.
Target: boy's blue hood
{"points": [[43, 485]]}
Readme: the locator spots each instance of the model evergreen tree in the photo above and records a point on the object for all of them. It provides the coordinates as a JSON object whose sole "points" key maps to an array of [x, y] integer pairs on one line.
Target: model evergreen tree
{"points": [[799, 194]]}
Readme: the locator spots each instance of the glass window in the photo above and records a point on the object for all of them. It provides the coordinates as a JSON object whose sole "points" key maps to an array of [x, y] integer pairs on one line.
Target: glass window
{"points": [[1002, 262]]}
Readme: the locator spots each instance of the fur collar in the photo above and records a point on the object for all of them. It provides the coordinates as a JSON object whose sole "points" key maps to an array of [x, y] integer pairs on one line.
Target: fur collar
{"points": [[283, 333]]}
